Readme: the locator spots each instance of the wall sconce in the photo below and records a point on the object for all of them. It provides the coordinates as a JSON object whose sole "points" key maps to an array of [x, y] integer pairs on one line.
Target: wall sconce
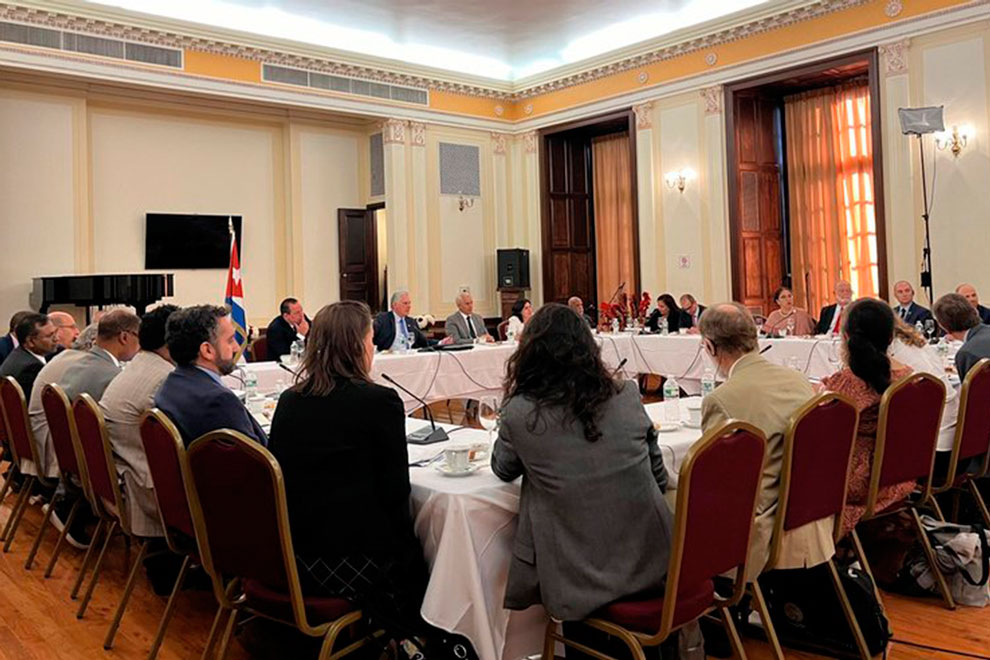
{"points": [[679, 178], [464, 202], [955, 141]]}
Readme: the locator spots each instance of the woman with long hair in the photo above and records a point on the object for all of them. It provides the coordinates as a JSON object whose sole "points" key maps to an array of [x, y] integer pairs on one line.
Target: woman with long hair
{"points": [[667, 308], [522, 311], [867, 332], [593, 524], [788, 317], [341, 442]]}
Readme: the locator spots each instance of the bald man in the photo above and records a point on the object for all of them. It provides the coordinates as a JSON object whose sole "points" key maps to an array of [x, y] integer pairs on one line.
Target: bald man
{"points": [[968, 291], [66, 331], [909, 311]]}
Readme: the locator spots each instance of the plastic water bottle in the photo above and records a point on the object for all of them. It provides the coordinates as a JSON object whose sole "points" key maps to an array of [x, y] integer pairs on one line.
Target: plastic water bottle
{"points": [[403, 343], [920, 327], [707, 382], [943, 351], [250, 384], [671, 400], [664, 326], [297, 349], [615, 324]]}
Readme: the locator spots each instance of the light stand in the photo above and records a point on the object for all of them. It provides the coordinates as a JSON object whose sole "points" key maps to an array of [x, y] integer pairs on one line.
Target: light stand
{"points": [[926, 250]]}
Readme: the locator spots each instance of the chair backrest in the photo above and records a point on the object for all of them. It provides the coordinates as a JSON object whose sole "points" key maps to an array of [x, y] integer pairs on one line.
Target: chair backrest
{"points": [[259, 350], [15, 413], [62, 426], [166, 456], [503, 330], [815, 470], [237, 499], [91, 430], [973, 424], [907, 434], [717, 491]]}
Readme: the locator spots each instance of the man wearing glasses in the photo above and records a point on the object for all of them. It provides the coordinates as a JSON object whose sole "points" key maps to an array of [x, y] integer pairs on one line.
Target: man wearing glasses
{"points": [[116, 342]]}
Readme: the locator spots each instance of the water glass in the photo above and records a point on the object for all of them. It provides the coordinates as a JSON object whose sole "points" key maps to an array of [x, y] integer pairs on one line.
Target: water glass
{"points": [[488, 414]]}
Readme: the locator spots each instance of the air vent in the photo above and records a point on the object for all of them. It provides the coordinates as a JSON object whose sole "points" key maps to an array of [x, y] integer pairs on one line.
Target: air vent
{"points": [[84, 43], [302, 78]]}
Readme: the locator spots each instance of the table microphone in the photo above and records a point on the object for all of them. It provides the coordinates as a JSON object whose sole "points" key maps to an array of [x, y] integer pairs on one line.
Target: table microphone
{"points": [[766, 348], [619, 368], [428, 434]]}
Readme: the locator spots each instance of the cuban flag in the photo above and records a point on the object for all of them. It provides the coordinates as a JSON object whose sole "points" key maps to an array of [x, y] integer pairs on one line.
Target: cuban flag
{"points": [[234, 299]]}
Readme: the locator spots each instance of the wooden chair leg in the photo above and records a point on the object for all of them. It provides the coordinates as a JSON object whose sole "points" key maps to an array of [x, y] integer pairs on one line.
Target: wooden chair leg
{"points": [[861, 556], [96, 570], [93, 542], [734, 640], [169, 609], [840, 591], [128, 588], [549, 642], [764, 612], [943, 586], [15, 518], [60, 543], [41, 532], [975, 492], [211, 640]]}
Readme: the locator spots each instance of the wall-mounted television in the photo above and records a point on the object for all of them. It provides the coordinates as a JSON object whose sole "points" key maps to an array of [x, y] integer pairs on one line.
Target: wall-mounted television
{"points": [[184, 240]]}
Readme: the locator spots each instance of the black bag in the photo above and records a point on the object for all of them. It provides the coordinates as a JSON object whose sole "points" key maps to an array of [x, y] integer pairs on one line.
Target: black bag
{"points": [[806, 611]]}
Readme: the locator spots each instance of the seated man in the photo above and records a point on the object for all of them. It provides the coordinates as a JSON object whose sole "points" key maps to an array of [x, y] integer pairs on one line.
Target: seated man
{"points": [[577, 305], [129, 396], [909, 311], [968, 291], [830, 318], [286, 328], [116, 342], [202, 344], [691, 306], [9, 341], [464, 326], [959, 318], [390, 327], [65, 331], [36, 339], [765, 395]]}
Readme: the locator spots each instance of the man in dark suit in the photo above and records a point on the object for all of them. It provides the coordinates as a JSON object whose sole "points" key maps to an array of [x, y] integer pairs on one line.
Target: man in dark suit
{"points": [[202, 343], [290, 325], [968, 291], [909, 311], [9, 341], [691, 306], [575, 303], [830, 318], [390, 327], [36, 338], [959, 319]]}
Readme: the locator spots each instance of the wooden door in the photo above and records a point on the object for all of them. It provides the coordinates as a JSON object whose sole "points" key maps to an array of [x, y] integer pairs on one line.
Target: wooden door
{"points": [[756, 227], [358, 250], [568, 222]]}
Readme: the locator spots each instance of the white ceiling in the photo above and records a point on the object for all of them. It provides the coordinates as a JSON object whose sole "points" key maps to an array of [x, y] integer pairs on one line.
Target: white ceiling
{"points": [[500, 39]]}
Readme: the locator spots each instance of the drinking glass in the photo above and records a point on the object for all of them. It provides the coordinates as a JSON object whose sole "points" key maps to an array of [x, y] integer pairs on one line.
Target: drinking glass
{"points": [[929, 329], [488, 414], [790, 325]]}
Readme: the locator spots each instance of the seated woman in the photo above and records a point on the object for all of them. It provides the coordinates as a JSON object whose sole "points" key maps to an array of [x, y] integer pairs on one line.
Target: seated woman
{"points": [[593, 523], [867, 331], [668, 309], [794, 320], [522, 310], [341, 442]]}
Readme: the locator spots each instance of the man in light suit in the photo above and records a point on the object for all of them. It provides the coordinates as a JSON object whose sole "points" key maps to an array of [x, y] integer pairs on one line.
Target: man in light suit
{"points": [[830, 318], [909, 311], [391, 326], [36, 339], [959, 319], [202, 344], [464, 326], [129, 396], [765, 395], [9, 341], [968, 291], [116, 342]]}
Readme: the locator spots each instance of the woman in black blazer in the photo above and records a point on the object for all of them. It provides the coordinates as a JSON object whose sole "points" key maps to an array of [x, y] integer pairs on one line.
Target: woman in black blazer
{"points": [[667, 308], [341, 442]]}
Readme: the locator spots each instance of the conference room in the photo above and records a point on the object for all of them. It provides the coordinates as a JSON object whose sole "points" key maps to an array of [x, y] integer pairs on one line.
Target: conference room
{"points": [[563, 329]]}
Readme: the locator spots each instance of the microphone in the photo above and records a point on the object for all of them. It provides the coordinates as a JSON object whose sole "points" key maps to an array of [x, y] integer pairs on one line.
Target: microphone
{"points": [[287, 368], [428, 434], [619, 368], [620, 288], [766, 348]]}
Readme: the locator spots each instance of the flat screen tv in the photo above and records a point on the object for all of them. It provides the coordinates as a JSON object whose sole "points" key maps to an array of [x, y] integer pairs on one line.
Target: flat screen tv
{"points": [[178, 240]]}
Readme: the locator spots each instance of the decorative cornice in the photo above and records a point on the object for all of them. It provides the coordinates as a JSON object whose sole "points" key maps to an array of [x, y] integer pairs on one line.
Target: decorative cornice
{"points": [[713, 99], [893, 8], [529, 142], [894, 57], [417, 134], [498, 143], [394, 131], [644, 115]]}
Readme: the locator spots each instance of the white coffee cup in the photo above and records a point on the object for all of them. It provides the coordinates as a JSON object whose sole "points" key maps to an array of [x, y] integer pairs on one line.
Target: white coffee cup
{"points": [[458, 458], [682, 331], [694, 411]]}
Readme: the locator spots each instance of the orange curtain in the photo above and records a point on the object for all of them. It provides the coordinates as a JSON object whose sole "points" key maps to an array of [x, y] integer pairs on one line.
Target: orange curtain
{"points": [[830, 186], [612, 190]]}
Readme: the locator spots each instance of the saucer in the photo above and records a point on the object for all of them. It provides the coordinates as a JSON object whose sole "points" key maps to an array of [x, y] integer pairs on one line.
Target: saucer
{"points": [[445, 470], [667, 427]]}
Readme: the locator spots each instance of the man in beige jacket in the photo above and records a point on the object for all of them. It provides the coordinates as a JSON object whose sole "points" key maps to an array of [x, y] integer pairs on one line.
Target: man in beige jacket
{"points": [[766, 395]]}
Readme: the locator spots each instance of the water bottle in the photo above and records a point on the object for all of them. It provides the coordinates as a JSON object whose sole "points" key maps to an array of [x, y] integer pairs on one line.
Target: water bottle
{"points": [[707, 382], [664, 327], [297, 351], [403, 343], [671, 401], [943, 351], [250, 384], [615, 324], [920, 327]]}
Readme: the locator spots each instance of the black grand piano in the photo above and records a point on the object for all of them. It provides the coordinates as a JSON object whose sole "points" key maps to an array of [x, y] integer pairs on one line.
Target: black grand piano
{"points": [[137, 290]]}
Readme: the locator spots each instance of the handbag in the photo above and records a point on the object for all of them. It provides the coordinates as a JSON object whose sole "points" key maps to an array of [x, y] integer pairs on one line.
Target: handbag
{"points": [[963, 556]]}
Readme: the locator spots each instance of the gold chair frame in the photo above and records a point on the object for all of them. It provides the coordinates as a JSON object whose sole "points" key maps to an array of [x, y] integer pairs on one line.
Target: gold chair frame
{"points": [[637, 640]]}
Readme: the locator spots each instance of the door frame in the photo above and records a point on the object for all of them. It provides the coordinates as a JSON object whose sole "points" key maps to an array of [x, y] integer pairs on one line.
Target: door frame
{"points": [[371, 252]]}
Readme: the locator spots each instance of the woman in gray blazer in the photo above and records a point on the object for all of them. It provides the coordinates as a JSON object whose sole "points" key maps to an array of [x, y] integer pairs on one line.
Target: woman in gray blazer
{"points": [[593, 524]]}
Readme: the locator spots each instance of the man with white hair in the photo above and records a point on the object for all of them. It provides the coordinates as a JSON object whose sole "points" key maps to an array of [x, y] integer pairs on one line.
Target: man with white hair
{"points": [[464, 326], [830, 318], [575, 303], [392, 327]]}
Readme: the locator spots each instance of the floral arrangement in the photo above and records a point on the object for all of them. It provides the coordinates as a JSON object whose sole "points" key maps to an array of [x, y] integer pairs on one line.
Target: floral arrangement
{"points": [[642, 308], [424, 321]]}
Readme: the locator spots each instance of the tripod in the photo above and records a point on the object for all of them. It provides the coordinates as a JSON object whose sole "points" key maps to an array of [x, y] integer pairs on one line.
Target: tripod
{"points": [[926, 251]]}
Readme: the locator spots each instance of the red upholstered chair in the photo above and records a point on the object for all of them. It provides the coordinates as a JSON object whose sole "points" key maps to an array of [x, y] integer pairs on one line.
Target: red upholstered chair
{"points": [[166, 456], [907, 437], [972, 435], [23, 448], [717, 492], [237, 498], [107, 504], [813, 483], [259, 350]]}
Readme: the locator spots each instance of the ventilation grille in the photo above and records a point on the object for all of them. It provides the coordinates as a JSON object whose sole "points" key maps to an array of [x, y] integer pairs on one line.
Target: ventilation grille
{"points": [[459, 169], [83, 43], [377, 165], [301, 78]]}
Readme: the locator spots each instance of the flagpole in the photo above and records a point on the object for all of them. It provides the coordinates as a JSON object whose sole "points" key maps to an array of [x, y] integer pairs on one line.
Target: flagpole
{"points": [[233, 248]]}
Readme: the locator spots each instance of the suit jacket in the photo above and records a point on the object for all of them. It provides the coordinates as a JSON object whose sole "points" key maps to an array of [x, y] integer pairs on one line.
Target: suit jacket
{"points": [[384, 332], [280, 335], [593, 522], [90, 374], [6, 346], [984, 313], [456, 327], [825, 318], [24, 367], [198, 404], [976, 347], [674, 321], [766, 395], [915, 313], [50, 373]]}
